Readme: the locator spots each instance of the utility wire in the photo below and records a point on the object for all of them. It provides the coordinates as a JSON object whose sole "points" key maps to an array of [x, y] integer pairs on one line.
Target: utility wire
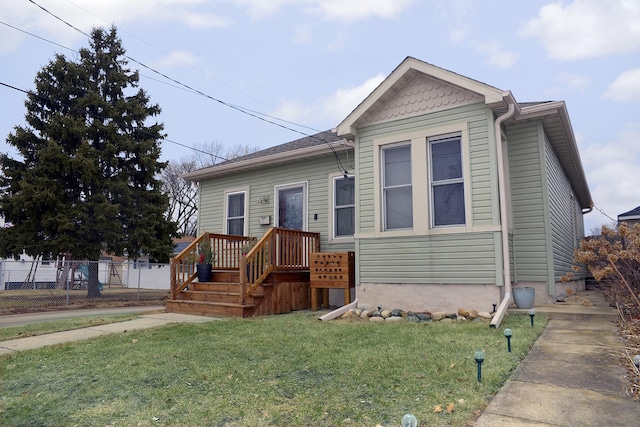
{"points": [[99, 117], [263, 117]]}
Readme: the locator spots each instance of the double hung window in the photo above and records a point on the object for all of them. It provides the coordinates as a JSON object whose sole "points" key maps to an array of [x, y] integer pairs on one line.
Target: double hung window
{"points": [[344, 206], [447, 181], [396, 187], [236, 213]]}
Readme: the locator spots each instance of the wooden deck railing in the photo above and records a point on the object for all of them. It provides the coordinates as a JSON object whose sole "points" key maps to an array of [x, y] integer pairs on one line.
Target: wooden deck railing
{"points": [[227, 251], [278, 250]]}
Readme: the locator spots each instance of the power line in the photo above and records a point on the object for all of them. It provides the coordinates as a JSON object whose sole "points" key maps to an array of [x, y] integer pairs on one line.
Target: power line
{"points": [[260, 116], [97, 116]]}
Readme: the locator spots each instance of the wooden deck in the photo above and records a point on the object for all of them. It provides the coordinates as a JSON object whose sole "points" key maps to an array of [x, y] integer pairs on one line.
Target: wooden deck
{"points": [[271, 278]]}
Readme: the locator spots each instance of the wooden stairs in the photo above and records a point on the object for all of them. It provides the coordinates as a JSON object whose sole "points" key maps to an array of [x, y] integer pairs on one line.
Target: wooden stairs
{"points": [[250, 277], [280, 293]]}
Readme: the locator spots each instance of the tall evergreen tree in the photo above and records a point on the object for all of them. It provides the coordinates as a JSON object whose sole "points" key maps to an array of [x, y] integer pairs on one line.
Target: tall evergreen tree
{"points": [[87, 177]]}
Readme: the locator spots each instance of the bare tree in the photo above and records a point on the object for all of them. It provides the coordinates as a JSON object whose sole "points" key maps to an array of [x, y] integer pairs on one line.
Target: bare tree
{"points": [[183, 196]]}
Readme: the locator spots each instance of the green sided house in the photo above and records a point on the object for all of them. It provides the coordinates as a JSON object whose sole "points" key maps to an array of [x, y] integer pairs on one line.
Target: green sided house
{"points": [[448, 191]]}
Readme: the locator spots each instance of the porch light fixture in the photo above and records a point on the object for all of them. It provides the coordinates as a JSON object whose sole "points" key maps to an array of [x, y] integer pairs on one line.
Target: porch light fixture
{"points": [[532, 313], [508, 333], [409, 420], [479, 358]]}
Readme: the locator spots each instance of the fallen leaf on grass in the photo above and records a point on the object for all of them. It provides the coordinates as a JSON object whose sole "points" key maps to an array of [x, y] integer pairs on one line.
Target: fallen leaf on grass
{"points": [[437, 408], [450, 408]]}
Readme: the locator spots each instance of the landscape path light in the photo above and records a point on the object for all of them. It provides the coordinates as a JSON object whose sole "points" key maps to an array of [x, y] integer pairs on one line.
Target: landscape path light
{"points": [[508, 333], [409, 420], [532, 313], [479, 357]]}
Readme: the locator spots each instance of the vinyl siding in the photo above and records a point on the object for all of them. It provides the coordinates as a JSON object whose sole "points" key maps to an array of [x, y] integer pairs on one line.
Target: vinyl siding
{"points": [[459, 258], [261, 183], [527, 176], [482, 166], [463, 257], [566, 229]]}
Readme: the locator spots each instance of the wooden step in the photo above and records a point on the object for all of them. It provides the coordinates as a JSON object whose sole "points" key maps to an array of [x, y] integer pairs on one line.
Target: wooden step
{"points": [[202, 308], [228, 297], [215, 287]]}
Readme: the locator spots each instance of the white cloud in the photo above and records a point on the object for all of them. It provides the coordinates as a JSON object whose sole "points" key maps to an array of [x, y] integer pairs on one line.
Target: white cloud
{"points": [[177, 58], [612, 172], [586, 28], [302, 34], [569, 82], [354, 10], [626, 88], [87, 14], [496, 55], [333, 108]]}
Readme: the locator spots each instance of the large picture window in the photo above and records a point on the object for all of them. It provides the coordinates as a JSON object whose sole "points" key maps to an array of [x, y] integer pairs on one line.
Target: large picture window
{"points": [[344, 206], [396, 187], [447, 182], [235, 213]]}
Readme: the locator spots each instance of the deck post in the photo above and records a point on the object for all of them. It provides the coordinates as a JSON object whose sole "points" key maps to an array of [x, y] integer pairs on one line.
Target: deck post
{"points": [[243, 277]]}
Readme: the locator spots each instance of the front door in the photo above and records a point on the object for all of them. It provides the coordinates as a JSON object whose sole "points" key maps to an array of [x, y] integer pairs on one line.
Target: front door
{"points": [[291, 207]]}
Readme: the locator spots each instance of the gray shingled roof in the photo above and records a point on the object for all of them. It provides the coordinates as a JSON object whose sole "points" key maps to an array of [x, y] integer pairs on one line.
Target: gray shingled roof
{"points": [[632, 212], [308, 141]]}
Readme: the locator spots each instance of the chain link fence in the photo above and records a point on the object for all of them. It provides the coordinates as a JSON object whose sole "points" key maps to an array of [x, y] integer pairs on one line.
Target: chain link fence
{"points": [[31, 285]]}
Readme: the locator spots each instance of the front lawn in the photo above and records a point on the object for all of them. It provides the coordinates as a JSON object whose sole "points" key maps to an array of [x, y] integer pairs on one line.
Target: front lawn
{"points": [[287, 370]]}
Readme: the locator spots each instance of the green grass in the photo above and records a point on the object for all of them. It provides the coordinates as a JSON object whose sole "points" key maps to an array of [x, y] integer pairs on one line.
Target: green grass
{"points": [[287, 370], [52, 326]]}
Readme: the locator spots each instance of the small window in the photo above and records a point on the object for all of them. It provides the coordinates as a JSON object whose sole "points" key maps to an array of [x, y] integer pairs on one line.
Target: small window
{"points": [[344, 206], [396, 187], [235, 214], [447, 182]]}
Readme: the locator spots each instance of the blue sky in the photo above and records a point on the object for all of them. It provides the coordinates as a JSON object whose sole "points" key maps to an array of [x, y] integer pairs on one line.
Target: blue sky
{"points": [[312, 61]]}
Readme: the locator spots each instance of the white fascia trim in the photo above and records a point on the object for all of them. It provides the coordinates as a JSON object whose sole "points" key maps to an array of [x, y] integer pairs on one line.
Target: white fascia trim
{"points": [[628, 217], [491, 94], [214, 170]]}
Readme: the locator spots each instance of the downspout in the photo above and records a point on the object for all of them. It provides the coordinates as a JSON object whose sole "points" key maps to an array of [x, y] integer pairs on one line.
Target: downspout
{"points": [[506, 300]]}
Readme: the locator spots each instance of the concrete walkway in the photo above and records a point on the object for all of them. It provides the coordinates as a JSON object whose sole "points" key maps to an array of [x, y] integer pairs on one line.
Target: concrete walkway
{"points": [[142, 322], [573, 376]]}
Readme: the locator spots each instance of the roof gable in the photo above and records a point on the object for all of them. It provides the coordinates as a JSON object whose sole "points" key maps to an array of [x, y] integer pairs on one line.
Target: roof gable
{"points": [[419, 94], [413, 87]]}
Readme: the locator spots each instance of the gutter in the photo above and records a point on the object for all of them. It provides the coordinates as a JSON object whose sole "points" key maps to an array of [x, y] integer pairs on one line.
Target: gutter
{"points": [[506, 300]]}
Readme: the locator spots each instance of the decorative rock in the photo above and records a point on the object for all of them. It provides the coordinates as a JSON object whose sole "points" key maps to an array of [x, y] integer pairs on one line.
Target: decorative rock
{"points": [[452, 315], [463, 312], [484, 315], [365, 313], [396, 313], [447, 320], [376, 319], [424, 316], [376, 314], [473, 314], [438, 315], [385, 313], [358, 312], [412, 318], [394, 319], [461, 319]]}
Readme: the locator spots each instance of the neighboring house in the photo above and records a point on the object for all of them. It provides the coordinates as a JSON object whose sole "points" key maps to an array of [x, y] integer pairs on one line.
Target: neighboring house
{"points": [[412, 181], [631, 218]]}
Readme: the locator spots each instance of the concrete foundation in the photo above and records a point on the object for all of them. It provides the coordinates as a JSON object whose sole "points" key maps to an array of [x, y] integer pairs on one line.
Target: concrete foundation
{"points": [[431, 297]]}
